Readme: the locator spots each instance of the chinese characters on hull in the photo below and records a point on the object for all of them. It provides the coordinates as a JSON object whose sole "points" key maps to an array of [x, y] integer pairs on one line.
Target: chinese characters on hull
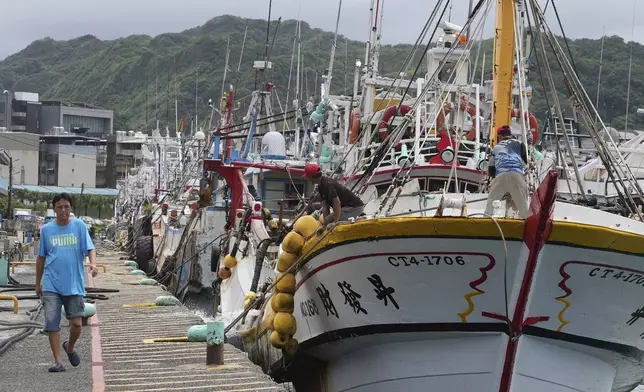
{"points": [[351, 298]]}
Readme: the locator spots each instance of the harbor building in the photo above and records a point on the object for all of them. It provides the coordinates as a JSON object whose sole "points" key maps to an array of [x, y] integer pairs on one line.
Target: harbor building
{"points": [[24, 112]]}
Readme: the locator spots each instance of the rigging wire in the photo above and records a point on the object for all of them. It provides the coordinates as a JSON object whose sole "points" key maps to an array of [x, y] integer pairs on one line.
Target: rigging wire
{"points": [[397, 133], [366, 125], [393, 137], [614, 163]]}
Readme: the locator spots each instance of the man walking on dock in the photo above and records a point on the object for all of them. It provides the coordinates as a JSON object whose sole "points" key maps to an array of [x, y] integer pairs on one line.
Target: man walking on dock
{"points": [[345, 203], [506, 168], [60, 277]]}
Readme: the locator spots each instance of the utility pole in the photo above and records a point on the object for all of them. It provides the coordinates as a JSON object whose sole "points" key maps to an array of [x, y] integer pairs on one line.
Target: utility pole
{"points": [[10, 190]]}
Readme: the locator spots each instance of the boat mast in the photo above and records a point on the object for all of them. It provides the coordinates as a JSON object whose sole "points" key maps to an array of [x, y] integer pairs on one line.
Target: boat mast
{"points": [[601, 64], [630, 68], [503, 66], [372, 58], [326, 86]]}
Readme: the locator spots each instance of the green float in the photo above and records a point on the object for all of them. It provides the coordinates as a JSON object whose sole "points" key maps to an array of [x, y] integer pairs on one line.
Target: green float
{"points": [[167, 300], [197, 333]]}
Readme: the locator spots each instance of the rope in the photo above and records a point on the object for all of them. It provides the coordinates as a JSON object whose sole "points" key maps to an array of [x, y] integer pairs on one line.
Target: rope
{"points": [[505, 262], [298, 263]]}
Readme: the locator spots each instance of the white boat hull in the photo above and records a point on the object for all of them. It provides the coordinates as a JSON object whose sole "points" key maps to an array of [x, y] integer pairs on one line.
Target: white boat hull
{"points": [[444, 326]]}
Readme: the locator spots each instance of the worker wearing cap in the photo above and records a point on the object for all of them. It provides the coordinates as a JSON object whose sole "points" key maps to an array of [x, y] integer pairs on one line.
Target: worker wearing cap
{"points": [[345, 203], [506, 168]]}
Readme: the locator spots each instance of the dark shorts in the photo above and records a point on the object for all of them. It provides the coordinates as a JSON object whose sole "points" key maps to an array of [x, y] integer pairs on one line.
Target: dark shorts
{"points": [[52, 305]]}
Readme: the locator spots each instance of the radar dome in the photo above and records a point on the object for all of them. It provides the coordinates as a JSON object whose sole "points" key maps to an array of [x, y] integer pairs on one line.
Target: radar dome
{"points": [[273, 146]]}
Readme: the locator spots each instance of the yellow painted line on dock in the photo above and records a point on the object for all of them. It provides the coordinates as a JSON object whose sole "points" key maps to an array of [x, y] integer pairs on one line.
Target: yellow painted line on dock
{"points": [[202, 387], [145, 305], [226, 366], [166, 340]]}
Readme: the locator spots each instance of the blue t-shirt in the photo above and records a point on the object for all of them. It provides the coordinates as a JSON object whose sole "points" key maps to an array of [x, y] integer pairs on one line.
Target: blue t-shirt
{"points": [[506, 156], [64, 249]]}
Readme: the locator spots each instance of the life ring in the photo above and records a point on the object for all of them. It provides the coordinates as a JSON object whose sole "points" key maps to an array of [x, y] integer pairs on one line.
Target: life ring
{"points": [[533, 124], [464, 107], [389, 113], [354, 125]]}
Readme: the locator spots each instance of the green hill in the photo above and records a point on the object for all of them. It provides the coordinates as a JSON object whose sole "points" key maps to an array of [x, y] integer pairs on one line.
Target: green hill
{"points": [[123, 74]]}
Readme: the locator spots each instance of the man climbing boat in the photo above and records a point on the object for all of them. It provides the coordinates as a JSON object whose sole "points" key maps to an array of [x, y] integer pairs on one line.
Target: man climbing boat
{"points": [[506, 170]]}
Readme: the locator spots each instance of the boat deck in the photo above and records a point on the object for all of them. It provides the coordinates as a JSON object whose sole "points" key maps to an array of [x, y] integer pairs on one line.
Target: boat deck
{"points": [[115, 349]]}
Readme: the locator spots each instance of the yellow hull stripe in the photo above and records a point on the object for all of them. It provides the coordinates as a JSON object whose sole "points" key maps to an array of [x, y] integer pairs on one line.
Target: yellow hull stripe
{"points": [[596, 237], [571, 233], [417, 227]]}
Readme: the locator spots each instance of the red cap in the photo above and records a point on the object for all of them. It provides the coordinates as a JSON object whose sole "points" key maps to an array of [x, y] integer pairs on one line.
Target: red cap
{"points": [[311, 170], [504, 129]]}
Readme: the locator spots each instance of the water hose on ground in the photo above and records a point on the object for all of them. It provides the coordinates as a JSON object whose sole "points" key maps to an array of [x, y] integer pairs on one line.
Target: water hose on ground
{"points": [[33, 315], [87, 296], [31, 287]]}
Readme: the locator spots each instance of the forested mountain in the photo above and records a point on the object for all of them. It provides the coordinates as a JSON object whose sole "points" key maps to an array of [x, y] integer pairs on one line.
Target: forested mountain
{"points": [[127, 74]]}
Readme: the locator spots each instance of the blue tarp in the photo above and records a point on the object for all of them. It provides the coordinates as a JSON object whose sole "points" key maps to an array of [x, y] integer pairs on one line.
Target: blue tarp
{"points": [[4, 186]]}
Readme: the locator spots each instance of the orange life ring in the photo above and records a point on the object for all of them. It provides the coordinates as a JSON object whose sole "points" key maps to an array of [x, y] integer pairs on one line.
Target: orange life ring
{"points": [[354, 125], [533, 124], [463, 107]]}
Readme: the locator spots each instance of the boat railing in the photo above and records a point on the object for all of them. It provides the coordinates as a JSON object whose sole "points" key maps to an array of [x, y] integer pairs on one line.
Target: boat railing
{"points": [[466, 151]]}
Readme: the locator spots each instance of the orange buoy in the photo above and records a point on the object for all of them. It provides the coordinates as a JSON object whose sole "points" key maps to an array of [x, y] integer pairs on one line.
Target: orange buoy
{"points": [[354, 125]]}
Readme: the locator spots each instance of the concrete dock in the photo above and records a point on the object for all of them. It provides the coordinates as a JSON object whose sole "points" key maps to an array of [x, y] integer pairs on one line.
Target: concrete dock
{"points": [[116, 350]]}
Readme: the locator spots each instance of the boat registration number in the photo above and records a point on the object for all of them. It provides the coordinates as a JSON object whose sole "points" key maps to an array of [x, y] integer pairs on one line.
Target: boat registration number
{"points": [[431, 260]]}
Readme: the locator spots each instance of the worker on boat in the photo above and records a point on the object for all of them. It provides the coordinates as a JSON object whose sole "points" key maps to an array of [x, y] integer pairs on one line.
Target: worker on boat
{"points": [[506, 170], [345, 204]]}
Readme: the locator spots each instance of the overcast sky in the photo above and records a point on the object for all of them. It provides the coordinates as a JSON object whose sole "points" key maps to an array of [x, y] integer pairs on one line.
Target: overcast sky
{"points": [[24, 21]]}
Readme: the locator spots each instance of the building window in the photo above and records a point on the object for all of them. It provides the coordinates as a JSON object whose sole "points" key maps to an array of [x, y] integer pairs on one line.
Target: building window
{"points": [[72, 170]]}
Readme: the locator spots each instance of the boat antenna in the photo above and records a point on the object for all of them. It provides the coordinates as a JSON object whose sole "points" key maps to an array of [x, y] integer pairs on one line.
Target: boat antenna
{"points": [[601, 64], [327, 78], [630, 68]]}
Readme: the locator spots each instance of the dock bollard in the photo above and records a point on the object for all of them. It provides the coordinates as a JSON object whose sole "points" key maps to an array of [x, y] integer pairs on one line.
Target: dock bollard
{"points": [[215, 343]]}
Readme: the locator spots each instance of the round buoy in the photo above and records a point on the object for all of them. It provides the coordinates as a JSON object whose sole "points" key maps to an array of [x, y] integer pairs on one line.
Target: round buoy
{"points": [[285, 261], [293, 242], [291, 347], [224, 273], [306, 226], [282, 303], [285, 324], [285, 283], [278, 340], [230, 261]]}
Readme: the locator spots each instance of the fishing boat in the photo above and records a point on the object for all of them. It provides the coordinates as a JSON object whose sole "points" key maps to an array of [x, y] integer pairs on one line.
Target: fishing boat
{"points": [[426, 292]]}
